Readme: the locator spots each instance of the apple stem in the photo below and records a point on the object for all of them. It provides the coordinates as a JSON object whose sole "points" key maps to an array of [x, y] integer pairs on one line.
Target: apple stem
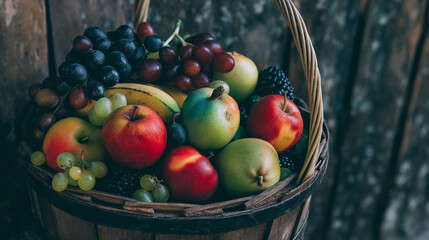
{"points": [[84, 139], [134, 113], [260, 181], [217, 93], [285, 103]]}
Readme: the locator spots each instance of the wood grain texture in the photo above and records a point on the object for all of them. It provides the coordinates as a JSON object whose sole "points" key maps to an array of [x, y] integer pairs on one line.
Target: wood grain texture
{"points": [[407, 214], [324, 20], [23, 53], [254, 28], [81, 229], [70, 19], [48, 218], [388, 48], [111, 233], [282, 227]]}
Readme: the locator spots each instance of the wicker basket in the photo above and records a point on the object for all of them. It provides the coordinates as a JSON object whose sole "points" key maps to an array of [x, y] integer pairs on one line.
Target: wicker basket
{"points": [[279, 212]]}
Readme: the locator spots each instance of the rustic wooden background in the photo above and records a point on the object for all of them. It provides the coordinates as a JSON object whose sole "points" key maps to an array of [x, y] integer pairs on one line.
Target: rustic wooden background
{"points": [[374, 60]]}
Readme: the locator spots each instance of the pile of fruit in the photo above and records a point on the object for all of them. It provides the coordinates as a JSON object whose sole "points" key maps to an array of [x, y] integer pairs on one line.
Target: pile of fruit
{"points": [[129, 114]]}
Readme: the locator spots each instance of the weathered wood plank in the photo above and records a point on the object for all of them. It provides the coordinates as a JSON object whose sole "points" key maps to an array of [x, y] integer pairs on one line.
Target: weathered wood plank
{"points": [[324, 20], [23, 53], [388, 49], [407, 215], [70, 18], [70, 227], [254, 28], [23, 60], [111, 233]]}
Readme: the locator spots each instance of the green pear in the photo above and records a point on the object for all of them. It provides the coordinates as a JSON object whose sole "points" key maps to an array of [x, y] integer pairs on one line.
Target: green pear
{"points": [[248, 166], [243, 78]]}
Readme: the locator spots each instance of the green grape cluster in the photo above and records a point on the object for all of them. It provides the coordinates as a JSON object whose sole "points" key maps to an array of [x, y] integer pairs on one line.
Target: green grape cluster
{"points": [[77, 173], [152, 190], [104, 106]]}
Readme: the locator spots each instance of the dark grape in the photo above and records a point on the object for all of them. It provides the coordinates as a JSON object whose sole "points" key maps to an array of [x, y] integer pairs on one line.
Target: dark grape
{"points": [[46, 98], [153, 43], [118, 60], [223, 62], [171, 72], [73, 56], [150, 70], [75, 73], [201, 37], [109, 76], [138, 56], [62, 112], [38, 134], [111, 35], [144, 29], [64, 65], [168, 55], [176, 135], [95, 90], [102, 44], [183, 82], [77, 98], [200, 80], [94, 33], [191, 67], [125, 46], [207, 70], [186, 52], [124, 31], [33, 89], [124, 75], [214, 46], [202, 54], [62, 88], [50, 82], [82, 44], [46, 121], [94, 60]]}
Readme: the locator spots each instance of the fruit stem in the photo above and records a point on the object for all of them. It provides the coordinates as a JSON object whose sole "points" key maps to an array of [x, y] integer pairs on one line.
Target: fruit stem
{"points": [[285, 102], [182, 41], [175, 116], [176, 31], [217, 93], [134, 113], [260, 181]]}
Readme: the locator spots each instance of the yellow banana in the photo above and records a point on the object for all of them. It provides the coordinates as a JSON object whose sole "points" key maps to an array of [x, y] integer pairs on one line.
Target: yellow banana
{"points": [[175, 93], [152, 97]]}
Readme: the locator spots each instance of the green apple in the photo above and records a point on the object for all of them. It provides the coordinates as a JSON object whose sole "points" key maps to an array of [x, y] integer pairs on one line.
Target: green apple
{"points": [[242, 79], [248, 166]]}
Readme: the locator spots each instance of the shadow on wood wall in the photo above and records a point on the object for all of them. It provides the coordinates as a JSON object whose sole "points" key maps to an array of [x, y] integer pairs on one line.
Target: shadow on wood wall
{"points": [[373, 56]]}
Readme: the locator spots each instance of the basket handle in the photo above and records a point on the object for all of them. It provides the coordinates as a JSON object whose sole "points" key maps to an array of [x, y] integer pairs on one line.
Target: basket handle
{"points": [[141, 8], [312, 75]]}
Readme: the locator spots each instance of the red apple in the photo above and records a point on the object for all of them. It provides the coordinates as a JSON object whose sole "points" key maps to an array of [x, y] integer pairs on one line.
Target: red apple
{"points": [[189, 175], [135, 136], [277, 121], [73, 135]]}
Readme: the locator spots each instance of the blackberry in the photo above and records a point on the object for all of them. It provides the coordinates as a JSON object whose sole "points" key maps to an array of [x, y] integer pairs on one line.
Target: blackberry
{"points": [[273, 80], [121, 181], [287, 161]]}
